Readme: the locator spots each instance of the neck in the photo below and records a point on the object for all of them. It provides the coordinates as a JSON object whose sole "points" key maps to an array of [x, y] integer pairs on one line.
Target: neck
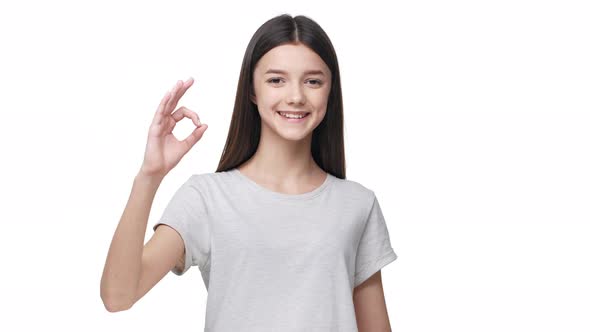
{"points": [[280, 160]]}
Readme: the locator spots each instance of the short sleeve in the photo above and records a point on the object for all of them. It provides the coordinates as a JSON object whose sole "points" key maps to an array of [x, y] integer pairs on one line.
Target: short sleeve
{"points": [[374, 250], [186, 213]]}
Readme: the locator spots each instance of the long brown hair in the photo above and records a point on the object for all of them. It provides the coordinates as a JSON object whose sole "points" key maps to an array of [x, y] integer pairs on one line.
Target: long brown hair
{"points": [[327, 144]]}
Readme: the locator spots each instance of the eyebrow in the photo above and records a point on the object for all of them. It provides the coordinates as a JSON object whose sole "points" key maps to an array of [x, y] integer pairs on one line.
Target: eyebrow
{"points": [[309, 72]]}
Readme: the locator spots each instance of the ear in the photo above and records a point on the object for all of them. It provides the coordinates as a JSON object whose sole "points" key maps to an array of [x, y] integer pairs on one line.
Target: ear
{"points": [[253, 98]]}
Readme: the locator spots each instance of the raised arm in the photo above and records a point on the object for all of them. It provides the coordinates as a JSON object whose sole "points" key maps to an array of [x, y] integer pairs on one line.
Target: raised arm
{"points": [[132, 269]]}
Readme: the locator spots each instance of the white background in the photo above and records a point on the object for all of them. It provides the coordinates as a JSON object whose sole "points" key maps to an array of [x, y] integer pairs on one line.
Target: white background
{"points": [[469, 119]]}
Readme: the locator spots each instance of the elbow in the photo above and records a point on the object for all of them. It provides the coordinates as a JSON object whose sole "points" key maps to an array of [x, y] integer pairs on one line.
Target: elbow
{"points": [[113, 300], [114, 306], [111, 308], [115, 303]]}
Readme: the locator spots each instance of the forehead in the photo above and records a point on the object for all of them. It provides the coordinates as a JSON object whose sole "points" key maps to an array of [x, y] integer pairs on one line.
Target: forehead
{"points": [[291, 59]]}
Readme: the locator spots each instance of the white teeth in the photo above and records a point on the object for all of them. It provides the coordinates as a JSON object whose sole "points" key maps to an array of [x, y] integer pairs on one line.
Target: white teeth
{"points": [[291, 116]]}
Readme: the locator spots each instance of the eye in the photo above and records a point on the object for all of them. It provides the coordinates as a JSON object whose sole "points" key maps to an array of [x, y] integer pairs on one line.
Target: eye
{"points": [[274, 80], [277, 80], [318, 82]]}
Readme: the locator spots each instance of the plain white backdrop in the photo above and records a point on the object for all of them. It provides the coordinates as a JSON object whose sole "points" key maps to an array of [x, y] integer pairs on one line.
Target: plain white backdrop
{"points": [[469, 119]]}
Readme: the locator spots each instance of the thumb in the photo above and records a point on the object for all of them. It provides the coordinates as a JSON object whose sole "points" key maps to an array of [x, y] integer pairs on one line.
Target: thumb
{"points": [[195, 136]]}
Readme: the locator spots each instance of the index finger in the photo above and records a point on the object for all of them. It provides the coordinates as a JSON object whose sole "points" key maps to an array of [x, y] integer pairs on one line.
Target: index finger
{"points": [[158, 115]]}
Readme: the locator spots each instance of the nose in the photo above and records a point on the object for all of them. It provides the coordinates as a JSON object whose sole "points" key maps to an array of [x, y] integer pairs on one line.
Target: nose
{"points": [[296, 95]]}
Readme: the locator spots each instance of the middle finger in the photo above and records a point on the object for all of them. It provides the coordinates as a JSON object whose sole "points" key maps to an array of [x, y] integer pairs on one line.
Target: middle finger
{"points": [[177, 92]]}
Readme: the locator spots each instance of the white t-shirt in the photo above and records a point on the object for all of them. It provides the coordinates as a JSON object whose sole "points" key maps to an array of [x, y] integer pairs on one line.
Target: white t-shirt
{"points": [[279, 262]]}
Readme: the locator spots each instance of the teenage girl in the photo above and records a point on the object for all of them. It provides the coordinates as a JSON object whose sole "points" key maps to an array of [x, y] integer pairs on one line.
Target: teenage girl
{"points": [[283, 241]]}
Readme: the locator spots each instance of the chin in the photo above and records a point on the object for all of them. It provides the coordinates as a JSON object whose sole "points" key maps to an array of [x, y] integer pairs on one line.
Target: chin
{"points": [[288, 132], [292, 134]]}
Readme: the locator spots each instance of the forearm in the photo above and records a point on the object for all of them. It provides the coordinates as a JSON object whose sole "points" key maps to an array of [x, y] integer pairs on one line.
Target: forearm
{"points": [[123, 263]]}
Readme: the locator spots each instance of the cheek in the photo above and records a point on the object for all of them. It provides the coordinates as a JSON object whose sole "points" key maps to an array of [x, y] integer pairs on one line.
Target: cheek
{"points": [[322, 96], [269, 94], [320, 102], [269, 102]]}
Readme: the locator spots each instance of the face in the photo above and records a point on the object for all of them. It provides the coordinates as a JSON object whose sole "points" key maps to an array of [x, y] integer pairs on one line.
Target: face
{"points": [[291, 78]]}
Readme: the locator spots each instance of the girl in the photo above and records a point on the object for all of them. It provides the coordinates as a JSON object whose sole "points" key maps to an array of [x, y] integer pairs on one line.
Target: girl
{"points": [[283, 241]]}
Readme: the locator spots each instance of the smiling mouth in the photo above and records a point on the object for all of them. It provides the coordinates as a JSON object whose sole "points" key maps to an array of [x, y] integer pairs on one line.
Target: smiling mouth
{"points": [[293, 116]]}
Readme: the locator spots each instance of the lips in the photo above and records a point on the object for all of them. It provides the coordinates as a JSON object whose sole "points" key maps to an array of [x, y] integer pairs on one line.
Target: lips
{"points": [[282, 113]]}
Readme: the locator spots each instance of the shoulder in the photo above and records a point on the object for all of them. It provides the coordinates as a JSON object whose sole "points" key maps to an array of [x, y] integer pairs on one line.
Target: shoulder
{"points": [[354, 189], [206, 177], [211, 181], [354, 197]]}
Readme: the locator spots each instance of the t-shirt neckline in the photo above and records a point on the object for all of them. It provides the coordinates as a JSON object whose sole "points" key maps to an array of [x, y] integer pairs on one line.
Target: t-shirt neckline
{"points": [[274, 194]]}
